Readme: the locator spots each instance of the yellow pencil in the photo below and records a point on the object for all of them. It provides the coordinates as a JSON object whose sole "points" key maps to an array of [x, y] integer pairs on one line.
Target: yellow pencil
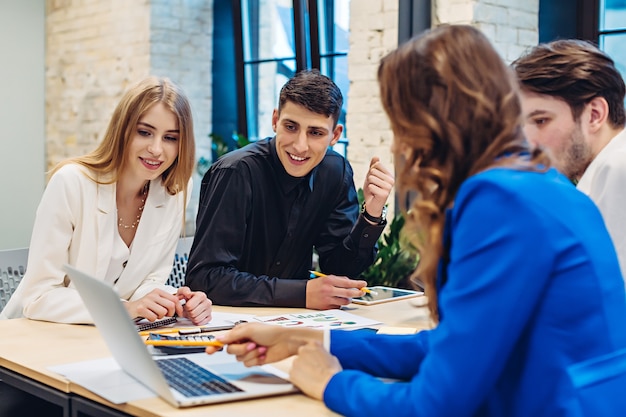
{"points": [[154, 342], [364, 289], [165, 331]]}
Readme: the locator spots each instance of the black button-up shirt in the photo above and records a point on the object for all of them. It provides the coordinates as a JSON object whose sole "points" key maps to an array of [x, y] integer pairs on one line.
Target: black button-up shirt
{"points": [[257, 226]]}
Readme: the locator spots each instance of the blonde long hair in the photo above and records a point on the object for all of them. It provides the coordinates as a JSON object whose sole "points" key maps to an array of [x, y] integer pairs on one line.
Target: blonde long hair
{"points": [[108, 159], [455, 111]]}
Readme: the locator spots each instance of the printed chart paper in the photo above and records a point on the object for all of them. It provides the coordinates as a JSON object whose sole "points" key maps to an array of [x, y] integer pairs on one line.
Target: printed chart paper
{"points": [[327, 319]]}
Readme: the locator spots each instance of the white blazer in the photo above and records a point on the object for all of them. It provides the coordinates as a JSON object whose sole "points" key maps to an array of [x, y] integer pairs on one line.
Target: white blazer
{"points": [[75, 224]]}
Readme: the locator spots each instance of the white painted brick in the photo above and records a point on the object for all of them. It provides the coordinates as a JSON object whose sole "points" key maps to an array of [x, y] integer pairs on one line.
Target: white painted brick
{"points": [[527, 37], [525, 5], [515, 51], [488, 29], [490, 13], [506, 35], [359, 8], [454, 12], [376, 22], [523, 19]]}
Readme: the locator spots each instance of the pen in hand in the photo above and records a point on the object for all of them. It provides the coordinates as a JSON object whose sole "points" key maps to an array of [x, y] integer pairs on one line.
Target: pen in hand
{"points": [[364, 289], [155, 342]]}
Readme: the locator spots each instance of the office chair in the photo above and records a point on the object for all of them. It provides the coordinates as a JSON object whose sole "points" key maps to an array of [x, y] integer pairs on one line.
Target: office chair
{"points": [[12, 268], [179, 269]]}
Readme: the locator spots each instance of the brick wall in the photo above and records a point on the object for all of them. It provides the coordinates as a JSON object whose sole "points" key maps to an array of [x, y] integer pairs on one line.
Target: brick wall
{"points": [[181, 48], [373, 34], [95, 49], [510, 24]]}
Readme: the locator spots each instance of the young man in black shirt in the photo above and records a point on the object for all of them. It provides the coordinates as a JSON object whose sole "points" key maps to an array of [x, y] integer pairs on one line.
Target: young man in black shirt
{"points": [[263, 209]]}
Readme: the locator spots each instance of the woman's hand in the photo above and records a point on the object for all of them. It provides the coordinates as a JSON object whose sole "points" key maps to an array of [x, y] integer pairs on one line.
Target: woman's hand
{"points": [[197, 306], [257, 344], [154, 305], [313, 368]]}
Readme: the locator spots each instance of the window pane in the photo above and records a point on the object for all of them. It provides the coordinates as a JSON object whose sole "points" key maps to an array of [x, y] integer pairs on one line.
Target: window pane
{"points": [[334, 25], [267, 29], [263, 84], [614, 46], [341, 147], [612, 14], [336, 68]]}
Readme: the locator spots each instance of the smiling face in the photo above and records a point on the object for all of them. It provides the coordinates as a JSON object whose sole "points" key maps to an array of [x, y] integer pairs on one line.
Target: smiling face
{"points": [[302, 138], [548, 121], [153, 147]]}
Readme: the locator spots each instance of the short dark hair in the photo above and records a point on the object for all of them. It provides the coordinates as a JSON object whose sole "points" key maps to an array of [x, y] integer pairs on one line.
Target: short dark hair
{"points": [[575, 71], [315, 92]]}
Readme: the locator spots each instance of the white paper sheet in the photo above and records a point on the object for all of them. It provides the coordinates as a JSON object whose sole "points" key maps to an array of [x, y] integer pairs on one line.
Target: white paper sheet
{"points": [[105, 378]]}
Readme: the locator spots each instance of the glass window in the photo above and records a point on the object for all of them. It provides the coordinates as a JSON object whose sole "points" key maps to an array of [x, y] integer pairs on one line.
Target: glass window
{"points": [[334, 32], [269, 59], [263, 83], [267, 29], [612, 14], [614, 46], [612, 33], [281, 37]]}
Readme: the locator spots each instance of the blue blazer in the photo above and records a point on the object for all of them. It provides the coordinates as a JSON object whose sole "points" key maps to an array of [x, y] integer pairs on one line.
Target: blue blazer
{"points": [[532, 308]]}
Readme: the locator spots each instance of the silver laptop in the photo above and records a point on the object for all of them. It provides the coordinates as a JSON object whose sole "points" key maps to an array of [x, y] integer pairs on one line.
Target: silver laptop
{"points": [[181, 380]]}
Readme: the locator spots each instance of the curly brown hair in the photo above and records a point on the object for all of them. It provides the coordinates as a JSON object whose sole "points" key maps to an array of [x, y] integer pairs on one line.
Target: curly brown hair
{"points": [[455, 111]]}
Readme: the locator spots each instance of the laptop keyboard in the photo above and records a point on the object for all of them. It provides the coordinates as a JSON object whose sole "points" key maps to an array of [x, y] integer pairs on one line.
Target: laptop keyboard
{"points": [[192, 380]]}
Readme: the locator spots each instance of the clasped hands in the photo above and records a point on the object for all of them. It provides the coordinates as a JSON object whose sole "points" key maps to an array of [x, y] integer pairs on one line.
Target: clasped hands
{"points": [[159, 303]]}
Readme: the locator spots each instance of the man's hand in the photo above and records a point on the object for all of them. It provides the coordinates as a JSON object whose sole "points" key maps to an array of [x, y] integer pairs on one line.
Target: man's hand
{"points": [[378, 184], [331, 291], [197, 306]]}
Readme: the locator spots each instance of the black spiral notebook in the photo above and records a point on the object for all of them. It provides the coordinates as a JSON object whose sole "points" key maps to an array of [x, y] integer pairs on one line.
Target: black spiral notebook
{"points": [[143, 324]]}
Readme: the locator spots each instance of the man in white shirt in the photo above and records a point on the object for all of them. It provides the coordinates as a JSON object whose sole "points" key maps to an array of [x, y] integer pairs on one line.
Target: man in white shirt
{"points": [[573, 105]]}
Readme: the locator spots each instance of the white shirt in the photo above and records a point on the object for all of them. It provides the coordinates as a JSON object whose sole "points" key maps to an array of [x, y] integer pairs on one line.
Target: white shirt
{"points": [[605, 182]]}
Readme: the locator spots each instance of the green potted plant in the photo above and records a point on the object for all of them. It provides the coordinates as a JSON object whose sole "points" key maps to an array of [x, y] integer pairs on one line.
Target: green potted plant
{"points": [[220, 147]]}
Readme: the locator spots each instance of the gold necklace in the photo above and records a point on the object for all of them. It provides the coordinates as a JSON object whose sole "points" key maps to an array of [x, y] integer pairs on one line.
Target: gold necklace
{"points": [[134, 224]]}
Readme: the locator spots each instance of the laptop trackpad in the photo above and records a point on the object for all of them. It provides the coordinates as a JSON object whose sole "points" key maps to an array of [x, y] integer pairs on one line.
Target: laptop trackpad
{"points": [[228, 367], [237, 371]]}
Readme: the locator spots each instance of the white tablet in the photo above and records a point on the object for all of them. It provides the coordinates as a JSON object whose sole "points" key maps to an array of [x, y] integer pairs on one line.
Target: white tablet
{"points": [[382, 294]]}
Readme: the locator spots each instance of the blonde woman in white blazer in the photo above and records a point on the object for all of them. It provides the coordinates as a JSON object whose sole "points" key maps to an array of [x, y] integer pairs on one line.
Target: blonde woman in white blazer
{"points": [[117, 213]]}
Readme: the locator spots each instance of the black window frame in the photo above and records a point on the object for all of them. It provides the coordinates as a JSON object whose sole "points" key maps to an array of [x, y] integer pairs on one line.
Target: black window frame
{"points": [[307, 54]]}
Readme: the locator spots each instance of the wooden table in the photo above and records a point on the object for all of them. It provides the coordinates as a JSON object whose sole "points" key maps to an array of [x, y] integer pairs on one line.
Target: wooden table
{"points": [[28, 348]]}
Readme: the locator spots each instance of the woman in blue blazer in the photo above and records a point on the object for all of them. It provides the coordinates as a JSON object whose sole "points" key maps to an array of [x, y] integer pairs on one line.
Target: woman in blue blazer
{"points": [[117, 213], [520, 272]]}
